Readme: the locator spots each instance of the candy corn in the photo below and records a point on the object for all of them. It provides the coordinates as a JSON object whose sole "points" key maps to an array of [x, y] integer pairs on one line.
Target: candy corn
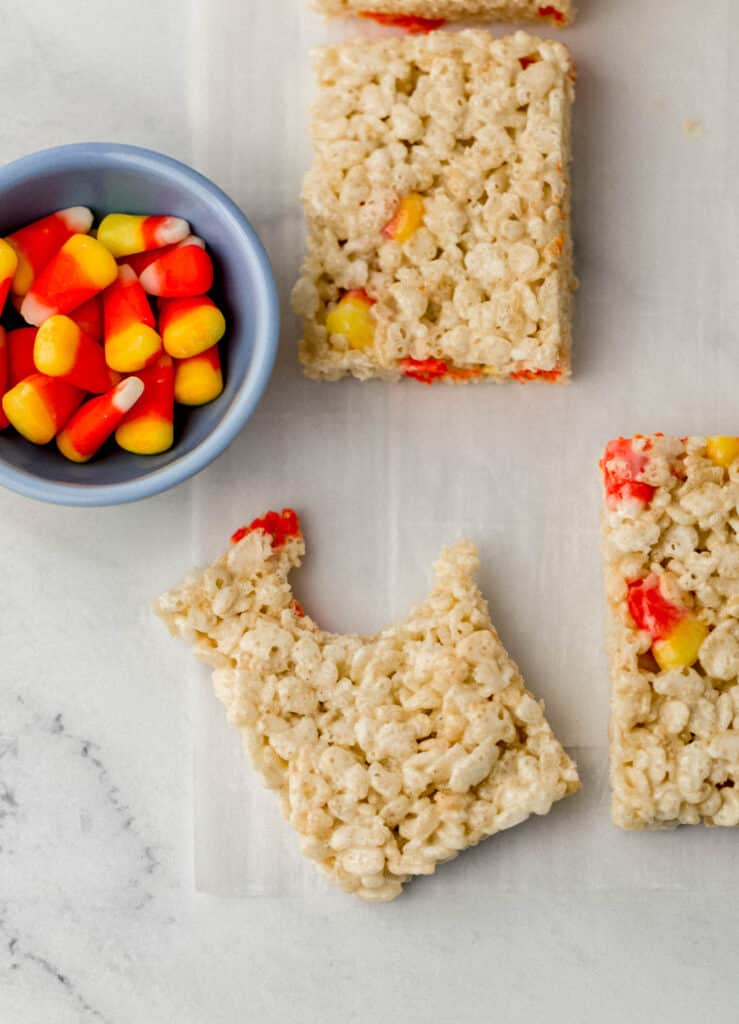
{"points": [[36, 244], [407, 220], [190, 326], [92, 424], [39, 406], [131, 340], [20, 354], [124, 234], [62, 350], [677, 635], [148, 429], [723, 450], [89, 318], [352, 318], [199, 379], [8, 266], [184, 272], [138, 262], [4, 421], [80, 270], [93, 335]]}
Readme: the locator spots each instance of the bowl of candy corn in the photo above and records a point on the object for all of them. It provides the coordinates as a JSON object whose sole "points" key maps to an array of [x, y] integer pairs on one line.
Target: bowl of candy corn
{"points": [[138, 323]]}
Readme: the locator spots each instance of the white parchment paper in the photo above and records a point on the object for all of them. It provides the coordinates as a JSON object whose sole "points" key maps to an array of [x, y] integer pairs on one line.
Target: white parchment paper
{"points": [[384, 475]]}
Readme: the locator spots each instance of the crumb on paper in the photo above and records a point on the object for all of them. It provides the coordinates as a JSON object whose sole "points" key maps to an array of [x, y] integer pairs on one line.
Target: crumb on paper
{"points": [[692, 129]]}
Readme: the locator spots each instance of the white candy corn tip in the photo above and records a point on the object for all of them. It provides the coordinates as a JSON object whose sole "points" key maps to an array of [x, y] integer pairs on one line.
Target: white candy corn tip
{"points": [[77, 218], [151, 279], [34, 312], [172, 230], [192, 240], [126, 274], [127, 394]]}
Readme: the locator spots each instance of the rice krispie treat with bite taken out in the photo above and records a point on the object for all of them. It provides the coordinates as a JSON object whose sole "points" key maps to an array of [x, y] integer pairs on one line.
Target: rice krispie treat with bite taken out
{"points": [[670, 527], [426, 15], [437, 209], [390, 753]]}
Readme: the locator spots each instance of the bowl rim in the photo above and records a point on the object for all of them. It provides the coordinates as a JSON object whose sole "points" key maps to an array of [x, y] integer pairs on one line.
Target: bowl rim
{"points": [[246, 399]]}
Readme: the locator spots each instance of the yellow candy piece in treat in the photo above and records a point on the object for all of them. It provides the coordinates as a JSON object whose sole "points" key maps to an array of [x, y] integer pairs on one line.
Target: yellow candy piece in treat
{"points": [[407, 220], [723, 450], [682, 646], [353, 319]]}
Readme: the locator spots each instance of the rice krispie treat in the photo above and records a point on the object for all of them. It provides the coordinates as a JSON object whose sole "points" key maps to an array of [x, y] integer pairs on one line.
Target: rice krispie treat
{"points": [[672, 580], [390, 753], [437, 209], [422, 15]]}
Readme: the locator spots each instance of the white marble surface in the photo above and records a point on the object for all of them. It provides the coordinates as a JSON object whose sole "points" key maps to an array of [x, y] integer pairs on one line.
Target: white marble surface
{"points": [[99, 918]]}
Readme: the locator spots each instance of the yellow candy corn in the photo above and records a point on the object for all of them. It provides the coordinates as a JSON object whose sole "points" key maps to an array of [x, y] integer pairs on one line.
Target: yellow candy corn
{"points": [[723, 450], [407, 220], [353, 319]]}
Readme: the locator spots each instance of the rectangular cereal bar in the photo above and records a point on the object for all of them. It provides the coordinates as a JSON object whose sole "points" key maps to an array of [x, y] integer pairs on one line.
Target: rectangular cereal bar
{"points": [[437, 210], [415, 11], [670, 526]]}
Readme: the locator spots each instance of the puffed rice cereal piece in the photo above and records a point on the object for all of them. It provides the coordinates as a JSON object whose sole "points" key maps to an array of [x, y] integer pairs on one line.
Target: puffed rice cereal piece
{"points": [[408, 13], [437, 210], [393, 753], [671, 556]]}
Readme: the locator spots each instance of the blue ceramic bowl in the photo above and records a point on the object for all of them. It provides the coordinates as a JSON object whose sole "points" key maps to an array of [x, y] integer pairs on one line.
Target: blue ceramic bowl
{"points": [[110, 178]]}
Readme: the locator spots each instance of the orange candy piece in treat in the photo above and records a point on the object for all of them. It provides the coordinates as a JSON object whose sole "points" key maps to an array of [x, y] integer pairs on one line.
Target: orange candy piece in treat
{"points": [[622, 465], [20, 354], [410, 23], [62, 350], [125, 234], [184, 272], [80, 270], [407, 220], [37, 243], [279, 527], [190, 326], [95, 421], [554, 13], [39, 406], [199, 379], [131, 339], [148, 429], [677, 635]]}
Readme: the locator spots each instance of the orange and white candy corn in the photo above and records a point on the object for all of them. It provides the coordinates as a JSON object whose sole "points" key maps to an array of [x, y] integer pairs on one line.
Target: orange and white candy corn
{"points": [[95, 421], [8, 267], [37, 243], [139, 261], [190, 326], [4, 374], [40, 406], [20, 354], [80, 270], [125, 234], [63, 350], [199, 379], [89, 318], [148, 429], [131, 339], [185, 271]]}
